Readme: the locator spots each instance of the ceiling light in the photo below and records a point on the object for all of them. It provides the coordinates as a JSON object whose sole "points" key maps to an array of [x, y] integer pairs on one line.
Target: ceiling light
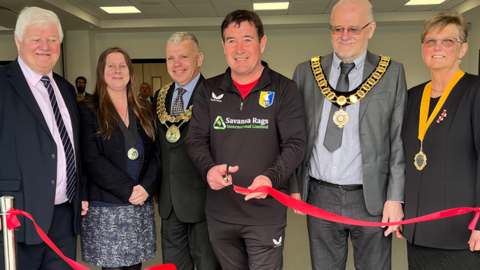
{"points": [[121, 10], [270, 6], [424, 2]]}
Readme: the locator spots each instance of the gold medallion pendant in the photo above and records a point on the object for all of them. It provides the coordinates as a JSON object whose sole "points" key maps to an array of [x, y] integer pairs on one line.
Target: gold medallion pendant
{"points": [[132, 153], [420, 160], [340, 118], [173, 134]]}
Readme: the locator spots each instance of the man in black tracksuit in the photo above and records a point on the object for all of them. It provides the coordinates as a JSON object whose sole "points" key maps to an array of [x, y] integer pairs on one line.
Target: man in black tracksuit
{"points": [[252, 119]]}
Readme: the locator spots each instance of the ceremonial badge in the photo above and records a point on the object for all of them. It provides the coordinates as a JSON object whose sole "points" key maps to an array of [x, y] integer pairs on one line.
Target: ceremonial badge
{"points": [[340, 118], [132, 153], [173, 134]]}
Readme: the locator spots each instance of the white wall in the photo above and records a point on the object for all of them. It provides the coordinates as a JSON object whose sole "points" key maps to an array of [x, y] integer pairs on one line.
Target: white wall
{"points": [[285, 49]]}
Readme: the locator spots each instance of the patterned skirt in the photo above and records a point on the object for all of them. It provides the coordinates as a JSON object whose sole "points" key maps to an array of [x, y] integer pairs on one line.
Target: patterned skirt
{"points": [[119, 235], [425, 258]]}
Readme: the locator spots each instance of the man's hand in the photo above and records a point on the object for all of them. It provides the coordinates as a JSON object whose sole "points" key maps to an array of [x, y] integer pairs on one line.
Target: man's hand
{"points": [[139, 195], [216, 176], [259, 181], [298, 197], [474, 241], [84, 207], [392, 212], [399, 232]]}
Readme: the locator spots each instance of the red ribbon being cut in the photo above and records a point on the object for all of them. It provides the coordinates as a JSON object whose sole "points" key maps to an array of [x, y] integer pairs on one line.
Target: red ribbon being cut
{"points": [[12, 223], [317, 212]]}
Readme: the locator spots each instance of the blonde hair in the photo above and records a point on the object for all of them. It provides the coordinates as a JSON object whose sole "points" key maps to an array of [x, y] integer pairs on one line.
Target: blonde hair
{"points": [[440, 21]]}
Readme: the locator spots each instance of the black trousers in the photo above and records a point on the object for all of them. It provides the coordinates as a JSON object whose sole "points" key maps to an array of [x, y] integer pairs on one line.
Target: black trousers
{"points": [[247, 247], [187, 245], [41, 256]]}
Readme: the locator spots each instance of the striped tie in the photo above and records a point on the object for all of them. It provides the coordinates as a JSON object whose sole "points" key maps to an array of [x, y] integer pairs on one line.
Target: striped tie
{"points": [[67, 144]]}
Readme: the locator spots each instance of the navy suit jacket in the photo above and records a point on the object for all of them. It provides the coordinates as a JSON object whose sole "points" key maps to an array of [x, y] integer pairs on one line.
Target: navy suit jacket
{"points": [[28, 153]]}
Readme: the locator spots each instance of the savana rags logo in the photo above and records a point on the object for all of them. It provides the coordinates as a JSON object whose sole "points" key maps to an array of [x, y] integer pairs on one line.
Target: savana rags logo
{"points": [[219, 124]]}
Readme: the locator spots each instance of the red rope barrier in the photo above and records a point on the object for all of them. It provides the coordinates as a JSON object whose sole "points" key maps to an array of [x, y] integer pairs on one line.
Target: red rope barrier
{"points": [[317, 212], [12, 223]]}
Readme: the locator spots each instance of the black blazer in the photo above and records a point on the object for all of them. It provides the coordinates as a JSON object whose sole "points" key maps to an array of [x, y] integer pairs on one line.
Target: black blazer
{"points": [[28, 163], [105, 161], [451, 178], [182, 187]]}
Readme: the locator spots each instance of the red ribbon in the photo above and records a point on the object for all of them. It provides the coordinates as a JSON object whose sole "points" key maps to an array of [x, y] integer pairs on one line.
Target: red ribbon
{"points": [[317, 212], [12, 223]]}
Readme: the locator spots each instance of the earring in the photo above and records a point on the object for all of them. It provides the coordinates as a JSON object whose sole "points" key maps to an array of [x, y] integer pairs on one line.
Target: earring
{"points": [[459, 61]]}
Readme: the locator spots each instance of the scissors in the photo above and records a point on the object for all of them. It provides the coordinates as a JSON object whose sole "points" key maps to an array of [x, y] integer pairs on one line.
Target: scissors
{"points": [[227, 174]]}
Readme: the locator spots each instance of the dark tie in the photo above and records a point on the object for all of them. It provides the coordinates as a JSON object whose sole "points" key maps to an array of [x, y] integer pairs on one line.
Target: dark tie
{"points": [[333, 135], [67, 144], [177, 106]]}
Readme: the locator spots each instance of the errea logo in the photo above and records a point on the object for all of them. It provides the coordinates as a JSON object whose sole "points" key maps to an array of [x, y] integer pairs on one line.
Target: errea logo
{"points": [[277, 242], [216, 98]]}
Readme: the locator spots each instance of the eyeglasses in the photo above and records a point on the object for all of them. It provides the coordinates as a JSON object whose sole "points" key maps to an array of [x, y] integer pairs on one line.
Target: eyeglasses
{"points": [[80, 83], [352, 30], [446, 42]]}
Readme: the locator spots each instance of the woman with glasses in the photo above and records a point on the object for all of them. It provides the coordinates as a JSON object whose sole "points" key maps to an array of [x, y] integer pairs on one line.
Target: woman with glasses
{"points": [[441, 136]]}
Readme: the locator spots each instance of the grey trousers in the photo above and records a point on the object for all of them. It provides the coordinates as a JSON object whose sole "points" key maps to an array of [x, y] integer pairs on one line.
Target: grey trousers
{"points": [[329, 240]]}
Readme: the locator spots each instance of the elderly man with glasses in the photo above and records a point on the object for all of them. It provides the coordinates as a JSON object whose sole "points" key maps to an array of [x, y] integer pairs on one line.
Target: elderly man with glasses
{"points": [[354, 165]]}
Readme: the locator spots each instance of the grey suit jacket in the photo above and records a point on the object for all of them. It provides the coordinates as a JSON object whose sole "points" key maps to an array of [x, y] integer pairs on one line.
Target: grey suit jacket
{"points": [[381, 118]]}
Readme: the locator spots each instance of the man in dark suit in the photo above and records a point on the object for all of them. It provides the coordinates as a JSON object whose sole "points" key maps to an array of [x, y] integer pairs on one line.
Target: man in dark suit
{"points": [[354, 164], [185, 240], [40, 166], [81, 84]]}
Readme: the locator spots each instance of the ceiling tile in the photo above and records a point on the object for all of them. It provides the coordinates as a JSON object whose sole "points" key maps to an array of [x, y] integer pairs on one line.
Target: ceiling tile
{"points": [[199, 14], [150, 3], [163, 10], [89, 8], [190, 2], [231, 1], [223, 10], [447, 5], [195, 8]]}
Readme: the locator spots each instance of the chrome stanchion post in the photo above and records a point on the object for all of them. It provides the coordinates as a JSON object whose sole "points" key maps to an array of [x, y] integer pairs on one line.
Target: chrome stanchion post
{"points": [[9, 248]]}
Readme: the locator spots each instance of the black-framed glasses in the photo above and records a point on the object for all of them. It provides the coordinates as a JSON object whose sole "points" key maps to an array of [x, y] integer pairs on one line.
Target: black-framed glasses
{"points": [[446, 42], [352, 30]]}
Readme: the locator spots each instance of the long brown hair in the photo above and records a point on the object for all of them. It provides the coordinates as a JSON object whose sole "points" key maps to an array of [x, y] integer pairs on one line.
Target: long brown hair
{"points": [[104, 105]]}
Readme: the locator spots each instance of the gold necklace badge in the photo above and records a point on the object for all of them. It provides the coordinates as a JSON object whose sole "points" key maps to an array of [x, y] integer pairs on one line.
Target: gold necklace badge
{"points": [[173, 132], [346, 98]]}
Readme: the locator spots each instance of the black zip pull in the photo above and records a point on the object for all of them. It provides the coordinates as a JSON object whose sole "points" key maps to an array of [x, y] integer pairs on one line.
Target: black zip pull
{"points": [[241, 105]]}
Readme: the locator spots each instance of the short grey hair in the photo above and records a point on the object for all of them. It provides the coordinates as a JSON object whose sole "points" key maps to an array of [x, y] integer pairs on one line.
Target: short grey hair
{"points": [[178, 37], [36, 16]]}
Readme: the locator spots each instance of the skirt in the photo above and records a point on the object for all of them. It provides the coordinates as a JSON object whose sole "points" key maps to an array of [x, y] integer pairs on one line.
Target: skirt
{"points": [[425, 258], [119, 236]]}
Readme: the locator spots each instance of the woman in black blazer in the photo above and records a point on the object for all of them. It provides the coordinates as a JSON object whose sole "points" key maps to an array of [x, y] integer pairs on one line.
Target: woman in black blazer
{"points": [[122, 164], [441, 136]]}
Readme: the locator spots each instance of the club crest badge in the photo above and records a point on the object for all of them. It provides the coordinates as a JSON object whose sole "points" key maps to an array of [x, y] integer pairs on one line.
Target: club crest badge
{"points": [[266, 99]]}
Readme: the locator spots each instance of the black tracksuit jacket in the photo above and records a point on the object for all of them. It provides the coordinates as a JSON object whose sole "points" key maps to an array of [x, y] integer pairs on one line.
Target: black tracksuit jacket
{"points": [[264, 134]]}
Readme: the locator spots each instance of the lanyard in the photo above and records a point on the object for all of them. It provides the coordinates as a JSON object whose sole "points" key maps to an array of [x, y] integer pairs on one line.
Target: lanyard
{"points": [[424, 106]]}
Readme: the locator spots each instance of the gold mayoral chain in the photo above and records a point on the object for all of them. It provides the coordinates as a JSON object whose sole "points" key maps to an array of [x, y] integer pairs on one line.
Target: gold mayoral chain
{"points": [[173, 131], [340, 118], [420, 159]]}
